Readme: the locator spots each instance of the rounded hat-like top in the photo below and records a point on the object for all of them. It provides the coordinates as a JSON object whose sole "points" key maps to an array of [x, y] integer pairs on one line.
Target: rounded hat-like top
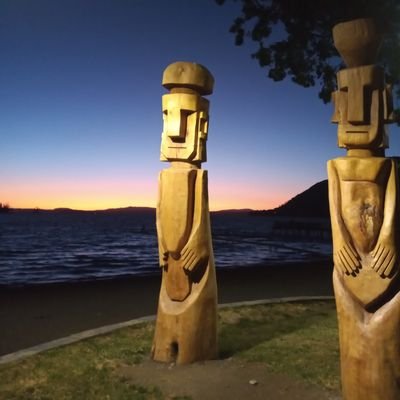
{"points": [[357, 41], [188, 75]]}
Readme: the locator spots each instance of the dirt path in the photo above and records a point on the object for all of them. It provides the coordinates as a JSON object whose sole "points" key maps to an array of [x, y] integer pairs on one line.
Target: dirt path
{"points": [[228, 379]]}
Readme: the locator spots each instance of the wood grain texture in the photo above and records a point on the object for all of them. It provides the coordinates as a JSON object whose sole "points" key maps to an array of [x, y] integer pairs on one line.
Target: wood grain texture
{"points": [[364, 208], [186, 326], [364, 225], [369, 346]]}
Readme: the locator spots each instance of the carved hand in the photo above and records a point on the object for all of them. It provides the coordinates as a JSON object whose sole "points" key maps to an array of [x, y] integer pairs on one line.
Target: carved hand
{"points": [[195, 251], [384, 257], [347, 258]]}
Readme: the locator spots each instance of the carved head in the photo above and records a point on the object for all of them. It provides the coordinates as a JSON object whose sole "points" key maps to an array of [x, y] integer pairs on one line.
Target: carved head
{"points": [[363, 103], [185, 112], [185, 127]]}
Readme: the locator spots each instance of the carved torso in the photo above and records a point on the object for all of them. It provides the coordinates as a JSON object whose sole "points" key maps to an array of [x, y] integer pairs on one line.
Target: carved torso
{"points": [[362, 192], [175, 209], [362, 212], [183, 230], [363, 202]]}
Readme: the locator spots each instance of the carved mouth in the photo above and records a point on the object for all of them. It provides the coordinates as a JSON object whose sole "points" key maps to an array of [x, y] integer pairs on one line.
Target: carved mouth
{"points": [[178, 139]]}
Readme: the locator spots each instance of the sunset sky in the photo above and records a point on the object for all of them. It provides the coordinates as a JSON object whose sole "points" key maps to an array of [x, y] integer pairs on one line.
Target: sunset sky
{"points": [[80, 101]]}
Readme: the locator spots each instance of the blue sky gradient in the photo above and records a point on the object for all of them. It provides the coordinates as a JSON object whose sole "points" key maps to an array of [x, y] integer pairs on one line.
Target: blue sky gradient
{"points": [[80, 100]]}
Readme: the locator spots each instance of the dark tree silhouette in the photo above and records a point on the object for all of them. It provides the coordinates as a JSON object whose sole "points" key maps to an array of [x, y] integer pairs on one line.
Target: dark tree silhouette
{"points": [[295, 37]]}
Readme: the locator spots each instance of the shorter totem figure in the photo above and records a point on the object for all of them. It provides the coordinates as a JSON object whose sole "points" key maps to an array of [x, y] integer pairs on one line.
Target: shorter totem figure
{"points": [[364, 214], [186, 327]]}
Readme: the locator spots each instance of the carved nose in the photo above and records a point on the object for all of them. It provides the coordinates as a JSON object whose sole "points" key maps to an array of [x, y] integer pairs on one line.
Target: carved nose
{"points": [[356, 114], [177, 125]]}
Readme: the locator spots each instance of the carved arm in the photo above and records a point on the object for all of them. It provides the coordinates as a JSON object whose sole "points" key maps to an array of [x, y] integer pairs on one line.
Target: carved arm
{"points": [[385, 254], [196, 250], [345, 256], [162, 252]]}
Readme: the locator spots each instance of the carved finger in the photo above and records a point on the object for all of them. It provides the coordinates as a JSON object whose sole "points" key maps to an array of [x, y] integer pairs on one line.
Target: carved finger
{"points": [[377, 256], [188, 263], [186, 255], [389, 265], [381, 258], [385, 257], [185, 250], [190, 259], [348, 261], [376, 250], [192, 264], [384, 261], [353, 252], [343, 263], [353, 259]]}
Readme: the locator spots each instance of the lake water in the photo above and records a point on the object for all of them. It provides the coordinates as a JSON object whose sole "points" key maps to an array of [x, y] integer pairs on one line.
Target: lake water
{"points": [[42, 247]]}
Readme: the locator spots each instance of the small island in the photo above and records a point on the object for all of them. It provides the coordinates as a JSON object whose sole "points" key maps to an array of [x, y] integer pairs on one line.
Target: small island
{"points": [[4, 207]]}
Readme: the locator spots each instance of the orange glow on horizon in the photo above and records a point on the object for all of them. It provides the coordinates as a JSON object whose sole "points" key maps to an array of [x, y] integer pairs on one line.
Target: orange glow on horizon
{"points": [[98, 196], [85, 204], [225, 196], [79, 195], [242, 202]]}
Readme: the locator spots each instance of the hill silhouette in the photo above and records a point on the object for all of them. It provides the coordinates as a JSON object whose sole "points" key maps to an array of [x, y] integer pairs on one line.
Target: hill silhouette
{"points": [[313, 202]]}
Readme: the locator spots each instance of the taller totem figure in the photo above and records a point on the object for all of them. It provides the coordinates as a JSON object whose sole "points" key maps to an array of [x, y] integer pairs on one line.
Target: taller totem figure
{"points": [[186, 327], [364, 208]]}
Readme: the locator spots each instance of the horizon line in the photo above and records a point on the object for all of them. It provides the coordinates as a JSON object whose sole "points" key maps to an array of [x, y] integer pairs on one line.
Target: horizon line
{"points": [[122, 208]]}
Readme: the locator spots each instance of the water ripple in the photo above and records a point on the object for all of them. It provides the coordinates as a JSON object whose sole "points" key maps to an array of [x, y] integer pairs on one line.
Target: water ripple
{"points": [[56, 247]]}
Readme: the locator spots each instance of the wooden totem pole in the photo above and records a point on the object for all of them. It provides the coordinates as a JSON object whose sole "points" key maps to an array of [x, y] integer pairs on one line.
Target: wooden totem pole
{"points": [[186, 327], [363, 197]]}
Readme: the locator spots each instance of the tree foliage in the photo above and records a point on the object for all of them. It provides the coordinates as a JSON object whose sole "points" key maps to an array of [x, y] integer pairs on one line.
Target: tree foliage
{"points": [[295, 37]]}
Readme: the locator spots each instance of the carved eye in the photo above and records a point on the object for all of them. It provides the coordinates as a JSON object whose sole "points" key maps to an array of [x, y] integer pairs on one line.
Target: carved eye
{"points": [[203, 125], [388, 104], [340, 105]]}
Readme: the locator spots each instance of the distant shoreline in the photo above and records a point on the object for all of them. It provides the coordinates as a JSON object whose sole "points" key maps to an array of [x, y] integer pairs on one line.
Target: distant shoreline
{"points": [[122, 210], [311, 203]]}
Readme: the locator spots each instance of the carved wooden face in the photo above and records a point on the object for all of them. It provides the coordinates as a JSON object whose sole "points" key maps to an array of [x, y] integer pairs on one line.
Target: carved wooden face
{"points": [[361, 108], [185, 127]]}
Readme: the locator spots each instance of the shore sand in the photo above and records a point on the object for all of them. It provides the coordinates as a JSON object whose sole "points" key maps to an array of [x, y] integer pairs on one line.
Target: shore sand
{"points": [[36, 314]]}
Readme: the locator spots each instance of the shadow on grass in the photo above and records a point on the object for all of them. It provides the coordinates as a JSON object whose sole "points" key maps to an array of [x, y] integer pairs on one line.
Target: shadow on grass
{"points": [[242, 329]]}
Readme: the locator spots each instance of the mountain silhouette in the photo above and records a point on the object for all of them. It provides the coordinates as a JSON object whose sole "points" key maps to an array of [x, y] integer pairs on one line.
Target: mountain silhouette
{"points": [[313, 202]]}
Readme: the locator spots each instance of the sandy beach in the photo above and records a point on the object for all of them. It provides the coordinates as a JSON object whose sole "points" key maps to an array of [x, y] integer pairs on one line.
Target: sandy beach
{"points": [[35, 314]]}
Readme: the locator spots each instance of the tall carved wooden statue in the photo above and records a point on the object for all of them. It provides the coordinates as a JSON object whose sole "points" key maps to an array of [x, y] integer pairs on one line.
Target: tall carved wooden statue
{"points": [[186, 327], [363, 197]]}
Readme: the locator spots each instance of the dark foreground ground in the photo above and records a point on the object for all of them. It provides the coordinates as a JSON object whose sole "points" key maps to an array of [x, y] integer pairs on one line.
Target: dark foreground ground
{"points": [[223, 379], [36, 314]]}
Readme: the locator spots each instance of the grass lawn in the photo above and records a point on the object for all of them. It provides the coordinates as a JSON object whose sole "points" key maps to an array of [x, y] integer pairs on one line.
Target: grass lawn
{"points": [[299, 339]]}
